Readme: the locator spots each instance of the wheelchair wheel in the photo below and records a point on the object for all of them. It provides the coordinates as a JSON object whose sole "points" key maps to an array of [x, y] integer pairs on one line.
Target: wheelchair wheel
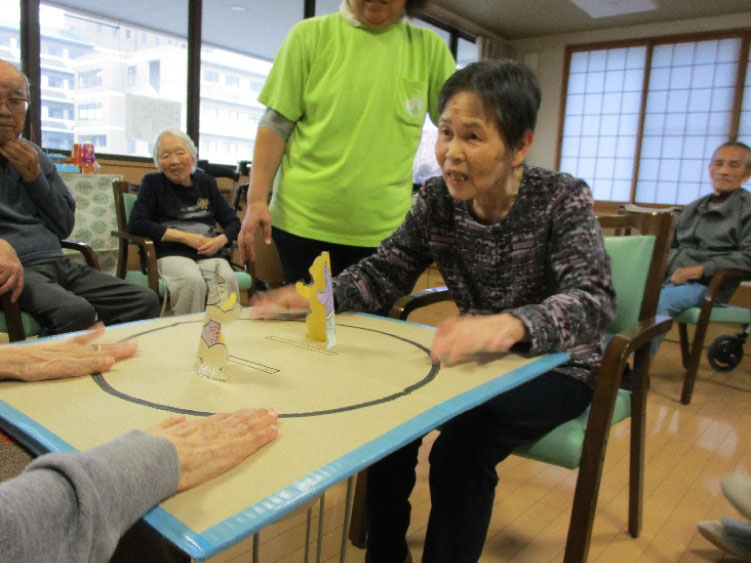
{"points": [[725, 353]]}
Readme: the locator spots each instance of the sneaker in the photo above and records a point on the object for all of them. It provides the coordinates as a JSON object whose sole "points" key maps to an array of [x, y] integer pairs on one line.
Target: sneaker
{"points": [[737, 489], [715, 532]]}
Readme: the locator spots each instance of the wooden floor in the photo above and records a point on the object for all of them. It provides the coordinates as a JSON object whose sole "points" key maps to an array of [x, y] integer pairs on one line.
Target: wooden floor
{"points": [[689, 450]]}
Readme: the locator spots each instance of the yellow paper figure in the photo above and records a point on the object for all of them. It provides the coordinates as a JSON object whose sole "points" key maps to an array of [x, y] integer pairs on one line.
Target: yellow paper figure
{"points": [[212, 348], [320, 296]]}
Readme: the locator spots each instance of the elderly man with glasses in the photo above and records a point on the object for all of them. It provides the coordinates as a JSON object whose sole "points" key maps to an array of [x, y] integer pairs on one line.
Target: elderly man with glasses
{"points": [[36, 211]]}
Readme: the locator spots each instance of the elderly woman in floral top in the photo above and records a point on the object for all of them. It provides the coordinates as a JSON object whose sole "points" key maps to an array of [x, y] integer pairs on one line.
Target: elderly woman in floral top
{"points": [[522, 254]]}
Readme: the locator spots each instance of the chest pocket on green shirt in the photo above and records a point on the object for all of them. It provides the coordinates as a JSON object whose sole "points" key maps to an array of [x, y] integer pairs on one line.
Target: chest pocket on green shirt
{"points": [[411, 101]]}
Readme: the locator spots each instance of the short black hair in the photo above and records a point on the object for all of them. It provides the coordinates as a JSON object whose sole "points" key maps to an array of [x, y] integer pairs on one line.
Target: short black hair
{"points": [[507, 87], [414, 7], [739, 145]]}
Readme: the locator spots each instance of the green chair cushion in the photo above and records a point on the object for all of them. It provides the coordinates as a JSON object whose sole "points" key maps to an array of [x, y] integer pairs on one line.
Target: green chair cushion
{"points": [[30, 326], [137, 277], [724, 314], [562, 446], [244, 280]]}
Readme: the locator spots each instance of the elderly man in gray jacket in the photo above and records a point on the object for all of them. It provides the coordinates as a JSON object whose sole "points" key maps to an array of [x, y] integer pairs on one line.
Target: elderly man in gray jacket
{"points": [[713, 233], [36, 211]]}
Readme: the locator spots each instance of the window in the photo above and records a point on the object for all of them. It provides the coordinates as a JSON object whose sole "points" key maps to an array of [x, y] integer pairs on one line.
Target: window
{"points": [[103, 46], [55, 81], [90, 78], [154, 78], [55, 112], [87, 112], [55, 50], [466, 52], [103, 64], [602, 118], [652, 145], [99, 141]]}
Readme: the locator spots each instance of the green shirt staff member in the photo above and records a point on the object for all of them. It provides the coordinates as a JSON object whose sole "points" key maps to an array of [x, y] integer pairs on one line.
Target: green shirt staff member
{"points": [[347, 98]]}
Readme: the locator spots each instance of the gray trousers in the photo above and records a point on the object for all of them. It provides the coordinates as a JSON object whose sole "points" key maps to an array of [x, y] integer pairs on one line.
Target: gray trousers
{"points": [[188, 281], [65, 296]]}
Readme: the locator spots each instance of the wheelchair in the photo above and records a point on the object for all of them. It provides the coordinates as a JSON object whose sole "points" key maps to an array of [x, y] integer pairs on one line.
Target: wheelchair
{"points": [[726, 352]]}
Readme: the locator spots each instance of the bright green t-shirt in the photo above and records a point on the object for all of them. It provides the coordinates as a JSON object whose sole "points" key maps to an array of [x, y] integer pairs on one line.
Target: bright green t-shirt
{"points": [[359, 99]]}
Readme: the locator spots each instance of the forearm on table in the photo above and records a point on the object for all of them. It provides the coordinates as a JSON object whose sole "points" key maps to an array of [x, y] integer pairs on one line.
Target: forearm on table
{"points": [[71, 506]]}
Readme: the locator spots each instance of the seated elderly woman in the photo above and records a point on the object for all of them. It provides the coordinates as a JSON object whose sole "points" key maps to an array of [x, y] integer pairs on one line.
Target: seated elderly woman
{"points": [[179, 208], [522, 254]]}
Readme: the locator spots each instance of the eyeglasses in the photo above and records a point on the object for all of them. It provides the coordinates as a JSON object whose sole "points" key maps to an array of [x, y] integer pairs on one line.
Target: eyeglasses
{"points": [[16, 105]]}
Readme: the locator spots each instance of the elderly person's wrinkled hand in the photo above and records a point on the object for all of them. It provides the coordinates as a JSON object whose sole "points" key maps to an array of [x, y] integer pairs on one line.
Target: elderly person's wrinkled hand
{"points": [[11, 271], [684, 275], [211, 246], [207, 447], [73, 357], [23, 157], [464, 339], [282, 303], [257, 216]]}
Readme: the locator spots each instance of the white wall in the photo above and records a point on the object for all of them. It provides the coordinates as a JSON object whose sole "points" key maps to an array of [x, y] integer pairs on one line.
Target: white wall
{"points": [[548, 53]]}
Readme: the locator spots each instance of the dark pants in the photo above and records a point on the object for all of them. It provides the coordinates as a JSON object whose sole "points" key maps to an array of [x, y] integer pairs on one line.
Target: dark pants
{"points": [[65, 296], [462, 471], [297, 254]]}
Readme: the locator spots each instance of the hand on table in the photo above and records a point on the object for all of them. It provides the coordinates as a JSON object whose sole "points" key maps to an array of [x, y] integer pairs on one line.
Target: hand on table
{"points": [[284, 302], [207, 447], [60, 359], [460, 339], [11, 271], [23, 157], [211, 246], [684, 275], [257, 216]]}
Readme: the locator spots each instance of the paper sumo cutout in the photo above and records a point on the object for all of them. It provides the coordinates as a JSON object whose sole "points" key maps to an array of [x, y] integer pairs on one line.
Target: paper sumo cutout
{"points": [[212, 348], [320, 296]]}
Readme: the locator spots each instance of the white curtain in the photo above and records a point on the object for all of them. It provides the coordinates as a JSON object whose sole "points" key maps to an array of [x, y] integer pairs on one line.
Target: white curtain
{"points": [[490, 48]]}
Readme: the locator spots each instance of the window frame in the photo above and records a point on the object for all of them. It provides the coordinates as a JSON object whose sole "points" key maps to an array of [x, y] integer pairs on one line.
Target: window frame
{"points": [[744, 34]]}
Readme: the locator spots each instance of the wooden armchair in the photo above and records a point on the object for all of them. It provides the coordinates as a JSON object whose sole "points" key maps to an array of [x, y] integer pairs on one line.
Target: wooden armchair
{"points": [[147, 275], [638, 264], [19, 324]]}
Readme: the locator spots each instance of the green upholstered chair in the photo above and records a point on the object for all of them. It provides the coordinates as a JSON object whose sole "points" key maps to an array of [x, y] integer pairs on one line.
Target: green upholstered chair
{"points": [[19, 324], [125, 196], [709, 312], [638, 265]]}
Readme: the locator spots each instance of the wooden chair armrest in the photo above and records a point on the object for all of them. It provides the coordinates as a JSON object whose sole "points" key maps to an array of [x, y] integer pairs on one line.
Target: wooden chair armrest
{"points": [[633, 339], [13, 322], [402, 308], [85, 249], [710, 296], [721, 276], [149, 253]]}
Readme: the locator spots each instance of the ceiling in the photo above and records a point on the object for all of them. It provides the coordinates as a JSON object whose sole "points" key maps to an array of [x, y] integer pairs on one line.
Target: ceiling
{"points": [[516, 19], [257, 27]]}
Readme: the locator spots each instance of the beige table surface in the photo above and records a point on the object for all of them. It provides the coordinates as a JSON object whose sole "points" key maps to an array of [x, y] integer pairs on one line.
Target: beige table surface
{"points": [[339, 411]]}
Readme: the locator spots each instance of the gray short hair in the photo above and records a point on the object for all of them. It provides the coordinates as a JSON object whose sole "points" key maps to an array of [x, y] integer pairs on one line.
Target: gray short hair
{"points": [[739, 145], [174, 132]]}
